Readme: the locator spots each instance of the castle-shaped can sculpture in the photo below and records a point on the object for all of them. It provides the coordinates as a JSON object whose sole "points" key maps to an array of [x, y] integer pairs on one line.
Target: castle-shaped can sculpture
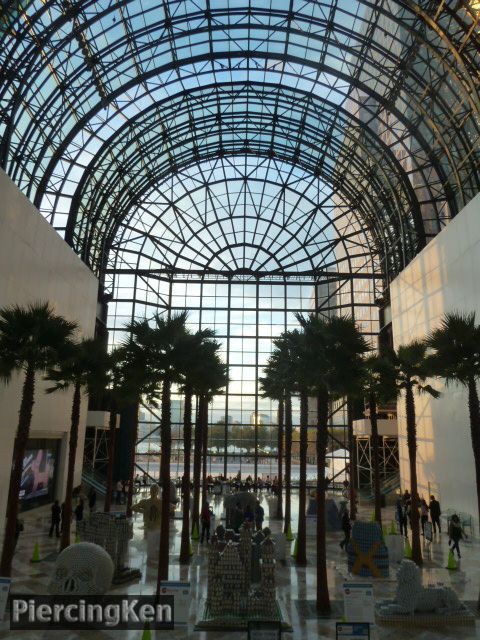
{"points": [[231, 591]]}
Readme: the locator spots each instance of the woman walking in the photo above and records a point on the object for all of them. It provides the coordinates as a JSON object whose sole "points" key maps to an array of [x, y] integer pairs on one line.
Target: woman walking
{"points": [[455, 534]]}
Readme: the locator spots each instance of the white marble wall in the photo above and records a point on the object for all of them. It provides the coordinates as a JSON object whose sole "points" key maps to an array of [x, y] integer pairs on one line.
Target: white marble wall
{"points": [[36, 264], [445, 276]]}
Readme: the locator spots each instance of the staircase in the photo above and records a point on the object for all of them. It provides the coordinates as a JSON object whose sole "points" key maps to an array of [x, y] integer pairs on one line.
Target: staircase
{"points": [[390, 485], [94, 479]]}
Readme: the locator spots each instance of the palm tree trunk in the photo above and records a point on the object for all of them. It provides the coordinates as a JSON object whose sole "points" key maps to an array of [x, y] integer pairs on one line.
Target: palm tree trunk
{"points": [[204, 430], [72, 451], [19, 446], [352, 462], [112, 429], [281, 411], [131, 471], [323, 599], [166, 440], [197, 466], [474, 412], [288, 463], [412, 454], [187, 439], [301, 558], [372, 402]]}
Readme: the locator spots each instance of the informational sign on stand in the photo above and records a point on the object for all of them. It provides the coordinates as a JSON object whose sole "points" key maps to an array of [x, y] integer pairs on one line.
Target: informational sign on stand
{"points": [[181, 603], [353, 631], [259, 630], [428, 531], [359, 602], [4, 589]]}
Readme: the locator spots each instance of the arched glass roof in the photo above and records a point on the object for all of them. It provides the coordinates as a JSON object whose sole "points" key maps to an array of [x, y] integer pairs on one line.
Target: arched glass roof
{"points": [[277, 136]]}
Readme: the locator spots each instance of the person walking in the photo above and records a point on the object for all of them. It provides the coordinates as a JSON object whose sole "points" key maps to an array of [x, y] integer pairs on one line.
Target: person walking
{"points": [[119, 492], [237, 517], [455, 534], [401, 517], [423, 514], [55, 521], [205, 518], [248, 514], [259, 515], [79, 511], [92, 499], [346, 528], [18, 530], [435, 513], [62, 516]]}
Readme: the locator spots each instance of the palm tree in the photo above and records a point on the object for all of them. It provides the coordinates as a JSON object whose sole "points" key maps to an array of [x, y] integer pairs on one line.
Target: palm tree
{"points": [[211, 383], [298, 349], [196, 349], [115, 396], [273, 387], [31, 339], [83, 366], [140, 378], [334, 349], [378, 386], [281, 363], [169, 334], [456, 358], [411, 371]]}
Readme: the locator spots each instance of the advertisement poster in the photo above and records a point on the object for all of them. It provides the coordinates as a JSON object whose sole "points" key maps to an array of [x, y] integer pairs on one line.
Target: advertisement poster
{"points": [[181, 604], [38, 473], [4, 589], [359, 602], [353, 631]]}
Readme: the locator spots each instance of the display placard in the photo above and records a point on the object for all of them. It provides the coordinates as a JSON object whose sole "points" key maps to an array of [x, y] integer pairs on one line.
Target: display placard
{"points": [[4, 589], [181, 603], [359, 602], [264, 630], [428, 531], [353, 631]]}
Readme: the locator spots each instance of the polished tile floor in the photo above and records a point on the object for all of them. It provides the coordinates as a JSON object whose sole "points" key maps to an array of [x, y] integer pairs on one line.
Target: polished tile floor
{"points": [[296, 585]]}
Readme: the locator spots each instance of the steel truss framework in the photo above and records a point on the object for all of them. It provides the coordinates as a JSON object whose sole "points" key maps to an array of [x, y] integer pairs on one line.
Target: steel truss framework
{"points": [[389, 460], [255, 141], [378, 102]]}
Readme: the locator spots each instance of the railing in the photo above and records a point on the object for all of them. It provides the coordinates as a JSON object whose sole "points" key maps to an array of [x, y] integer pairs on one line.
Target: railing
{"points": [[94, 479], [391, 484]]}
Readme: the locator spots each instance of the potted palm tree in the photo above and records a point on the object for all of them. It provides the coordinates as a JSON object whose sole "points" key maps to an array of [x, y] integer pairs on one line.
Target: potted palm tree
{"points": [[31, 339], [116, 398], [378, 386], [273, 387], [456, 359], [411, 371], [83, 367], [140, 378], [211, 383], [300, 359], [196, 349], [335, 349], [280, 364]]}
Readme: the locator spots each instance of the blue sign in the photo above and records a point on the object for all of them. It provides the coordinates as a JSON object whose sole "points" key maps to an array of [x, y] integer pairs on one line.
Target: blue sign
{"points": [[353, 630]]}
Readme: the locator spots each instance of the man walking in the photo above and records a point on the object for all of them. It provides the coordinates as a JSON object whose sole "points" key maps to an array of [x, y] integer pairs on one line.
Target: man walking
{"points": [[56, 515], [435, 514]]}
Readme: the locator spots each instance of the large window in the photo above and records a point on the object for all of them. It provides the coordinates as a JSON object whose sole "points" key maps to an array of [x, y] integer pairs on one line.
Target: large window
{"points": [[247, 315]]}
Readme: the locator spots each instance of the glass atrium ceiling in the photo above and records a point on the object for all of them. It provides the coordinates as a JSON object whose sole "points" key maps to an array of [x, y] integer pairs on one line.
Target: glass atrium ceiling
{"points": [[263, 136]]}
